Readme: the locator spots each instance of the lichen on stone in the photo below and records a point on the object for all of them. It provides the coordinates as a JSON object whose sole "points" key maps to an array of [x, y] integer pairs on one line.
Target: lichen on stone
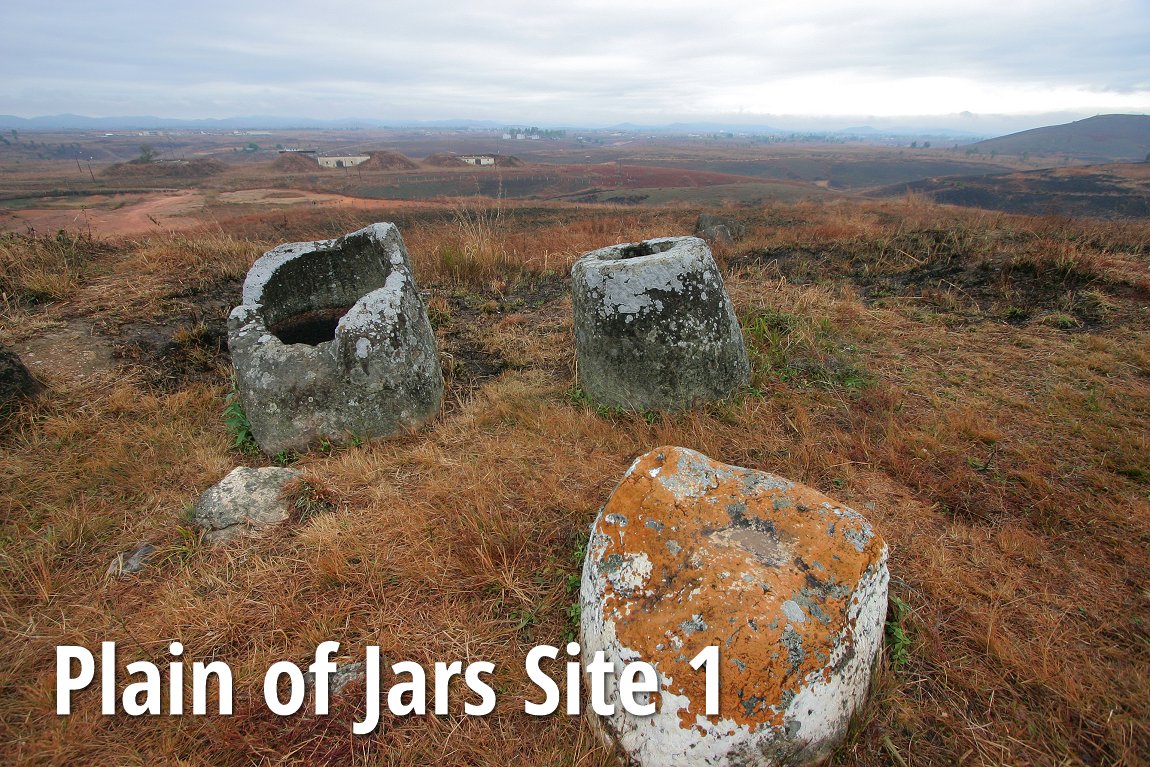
{"points": [[798, 626]]}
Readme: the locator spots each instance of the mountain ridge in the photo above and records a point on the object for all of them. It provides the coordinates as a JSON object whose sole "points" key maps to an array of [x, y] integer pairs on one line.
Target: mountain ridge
{"points": [[1102, 138]]}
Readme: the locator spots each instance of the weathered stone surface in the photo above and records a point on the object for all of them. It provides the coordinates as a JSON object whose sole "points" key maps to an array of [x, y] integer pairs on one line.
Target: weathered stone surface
{"points": [[654, 326], [333, 340], [344, 674], [243, 503], [130, 562], [719, 228], [790, 585], [15, 380], [717, 235]]}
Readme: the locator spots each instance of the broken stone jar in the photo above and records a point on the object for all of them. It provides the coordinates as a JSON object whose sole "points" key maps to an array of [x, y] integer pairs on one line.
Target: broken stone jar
{"points": [[654, 326], [332, 341]]}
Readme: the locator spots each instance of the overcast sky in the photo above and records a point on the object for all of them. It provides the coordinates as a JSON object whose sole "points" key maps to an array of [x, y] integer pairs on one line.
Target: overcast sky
{"points": [[578, 61]]}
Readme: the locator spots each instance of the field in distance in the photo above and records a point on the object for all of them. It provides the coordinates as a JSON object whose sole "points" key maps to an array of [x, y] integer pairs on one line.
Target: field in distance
{"points": [[141, 180]]}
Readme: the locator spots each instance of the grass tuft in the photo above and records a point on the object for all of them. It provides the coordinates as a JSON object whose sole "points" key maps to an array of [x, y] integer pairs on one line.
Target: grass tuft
{"points": [[898, 637], [238, 426], [37, 269]]}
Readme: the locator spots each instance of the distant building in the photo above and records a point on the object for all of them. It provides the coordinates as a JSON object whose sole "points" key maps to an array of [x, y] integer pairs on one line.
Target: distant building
{"points": [[342, 160], [478, 159]]}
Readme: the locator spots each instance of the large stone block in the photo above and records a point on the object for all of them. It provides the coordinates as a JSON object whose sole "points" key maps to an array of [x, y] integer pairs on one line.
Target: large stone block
{"points": [[15, 380], [245, 502], [790, 585], [333, 340], [654, 326], [719, 228]]}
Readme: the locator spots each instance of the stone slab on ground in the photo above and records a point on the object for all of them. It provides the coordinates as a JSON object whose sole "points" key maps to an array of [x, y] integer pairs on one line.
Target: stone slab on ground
{"points": [[245, 502]]}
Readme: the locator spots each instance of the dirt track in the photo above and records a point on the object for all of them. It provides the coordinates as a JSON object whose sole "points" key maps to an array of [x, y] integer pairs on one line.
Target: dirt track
{"points": [[133, 214], [111, 214]]}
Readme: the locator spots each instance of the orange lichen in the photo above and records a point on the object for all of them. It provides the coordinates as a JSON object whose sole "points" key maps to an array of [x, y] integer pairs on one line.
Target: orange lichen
{"points": [[764, 568]]}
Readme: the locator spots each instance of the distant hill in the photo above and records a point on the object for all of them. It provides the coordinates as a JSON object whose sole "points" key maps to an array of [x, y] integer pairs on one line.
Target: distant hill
{"points": [[294, 162], [1099, 191], [387, 160], [198, 168], [508, 161], [444, 160], [1105, 138]]}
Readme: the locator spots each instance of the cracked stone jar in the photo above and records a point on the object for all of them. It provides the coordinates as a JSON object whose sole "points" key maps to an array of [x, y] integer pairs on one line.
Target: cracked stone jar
{"points": [[332, 341], [654, 326]]}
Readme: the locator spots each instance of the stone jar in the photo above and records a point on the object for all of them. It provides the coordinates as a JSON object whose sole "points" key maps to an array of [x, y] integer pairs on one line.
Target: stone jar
{"points": [[654, 326], [332, 341]]}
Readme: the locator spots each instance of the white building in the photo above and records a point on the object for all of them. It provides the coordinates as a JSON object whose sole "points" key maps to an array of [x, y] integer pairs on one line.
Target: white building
{"points": [[343, 160], [478, 159]]}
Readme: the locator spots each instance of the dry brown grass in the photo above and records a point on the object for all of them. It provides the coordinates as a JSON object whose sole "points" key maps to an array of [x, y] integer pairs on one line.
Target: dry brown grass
{"points": [[159, 268], [1005, 463], [43, 268], [485, 240]]}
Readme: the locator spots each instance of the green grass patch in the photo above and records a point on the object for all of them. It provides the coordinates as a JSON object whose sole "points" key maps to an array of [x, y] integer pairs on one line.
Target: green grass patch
{"points": [[801, 351]]}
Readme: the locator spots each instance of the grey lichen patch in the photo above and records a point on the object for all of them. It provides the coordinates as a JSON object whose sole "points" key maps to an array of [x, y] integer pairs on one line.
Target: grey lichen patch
{"points": [[737, 510], [793, 642], [692, 476], [627, 573], [858, 537], [793, 612], [612, 563], [756, 483], [752, 704], [858, 531], [809, 601], [694, 625], [786, 697], [763, 545]]}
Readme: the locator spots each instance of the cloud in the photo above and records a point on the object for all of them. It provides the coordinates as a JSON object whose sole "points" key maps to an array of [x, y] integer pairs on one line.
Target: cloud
{"points": [[583, 61]]}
